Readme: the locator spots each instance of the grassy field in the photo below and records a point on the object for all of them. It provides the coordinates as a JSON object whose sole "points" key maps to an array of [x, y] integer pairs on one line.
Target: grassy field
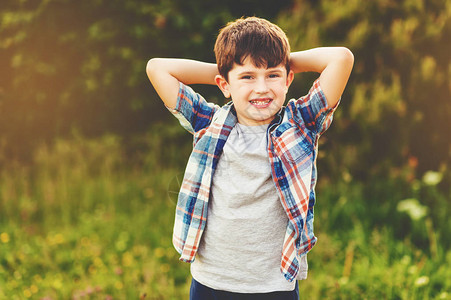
{"points": [[83, 221]]}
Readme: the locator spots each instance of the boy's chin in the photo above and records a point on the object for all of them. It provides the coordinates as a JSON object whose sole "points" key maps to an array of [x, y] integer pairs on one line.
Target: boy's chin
{"points": [[256, 120]]}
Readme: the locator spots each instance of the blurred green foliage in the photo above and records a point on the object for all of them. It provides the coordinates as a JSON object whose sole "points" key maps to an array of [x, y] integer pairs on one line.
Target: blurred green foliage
{"points": [[81, 64], [397, 104], [83, 221]]}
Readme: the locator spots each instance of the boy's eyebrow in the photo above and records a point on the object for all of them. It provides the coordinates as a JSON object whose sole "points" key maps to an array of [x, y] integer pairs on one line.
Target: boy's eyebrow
{"points": [[275, 70], [246, 73], [270, 70]]}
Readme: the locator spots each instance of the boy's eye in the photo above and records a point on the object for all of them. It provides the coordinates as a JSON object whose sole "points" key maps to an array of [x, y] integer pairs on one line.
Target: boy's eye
{"points": [[274, 75], [246, 77]]}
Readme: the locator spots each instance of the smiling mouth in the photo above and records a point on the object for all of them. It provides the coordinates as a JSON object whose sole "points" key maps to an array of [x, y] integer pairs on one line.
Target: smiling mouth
{"points": [[261, 102]]}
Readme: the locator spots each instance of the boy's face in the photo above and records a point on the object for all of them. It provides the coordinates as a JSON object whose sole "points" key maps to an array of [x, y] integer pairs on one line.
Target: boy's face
{"points": [[257, 93]]}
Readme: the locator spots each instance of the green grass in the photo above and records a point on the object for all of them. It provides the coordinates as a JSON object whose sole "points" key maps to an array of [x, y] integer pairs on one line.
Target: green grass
{"points": [[86, 221]]}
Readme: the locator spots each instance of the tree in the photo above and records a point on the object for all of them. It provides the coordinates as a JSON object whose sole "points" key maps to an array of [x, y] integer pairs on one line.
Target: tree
{"points": [[396, 108], [70, 64]]}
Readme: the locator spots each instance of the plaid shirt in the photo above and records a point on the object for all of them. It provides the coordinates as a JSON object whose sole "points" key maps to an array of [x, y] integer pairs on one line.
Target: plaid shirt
{"points": [[292, 147]]}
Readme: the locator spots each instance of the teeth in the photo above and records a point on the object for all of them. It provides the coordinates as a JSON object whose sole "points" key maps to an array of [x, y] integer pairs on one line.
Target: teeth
{"points": [[260, 101]]}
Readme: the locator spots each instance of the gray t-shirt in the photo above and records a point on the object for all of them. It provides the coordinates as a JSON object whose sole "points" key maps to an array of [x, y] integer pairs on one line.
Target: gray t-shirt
{"points": [[241, 247]]}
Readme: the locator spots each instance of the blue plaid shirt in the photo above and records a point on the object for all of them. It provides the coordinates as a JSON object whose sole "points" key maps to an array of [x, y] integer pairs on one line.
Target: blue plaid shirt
{"points": [[292, 148]]}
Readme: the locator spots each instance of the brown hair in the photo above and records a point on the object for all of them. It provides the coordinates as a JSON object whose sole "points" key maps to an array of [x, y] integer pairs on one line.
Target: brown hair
{"points": [[265, 43]]}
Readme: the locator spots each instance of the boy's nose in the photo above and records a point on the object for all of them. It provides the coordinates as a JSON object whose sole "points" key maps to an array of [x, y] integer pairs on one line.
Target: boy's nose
{"points": [[261, 86]]}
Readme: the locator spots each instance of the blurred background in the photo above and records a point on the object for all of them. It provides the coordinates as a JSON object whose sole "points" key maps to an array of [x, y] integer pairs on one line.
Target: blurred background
{"points": [[91, 161]]}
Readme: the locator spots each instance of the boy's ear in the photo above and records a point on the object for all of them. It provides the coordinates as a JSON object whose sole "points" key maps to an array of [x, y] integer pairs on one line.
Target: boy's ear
{"points": [[290, 78], [223, 85]]}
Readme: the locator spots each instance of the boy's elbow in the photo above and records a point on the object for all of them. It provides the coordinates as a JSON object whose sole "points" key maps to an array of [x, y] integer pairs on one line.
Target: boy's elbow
{"points": [[347, 56], [151, 66]]}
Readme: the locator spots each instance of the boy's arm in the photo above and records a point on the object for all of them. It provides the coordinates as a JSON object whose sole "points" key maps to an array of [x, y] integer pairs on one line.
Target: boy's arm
{"points": [[166, 73], [334, 64]]}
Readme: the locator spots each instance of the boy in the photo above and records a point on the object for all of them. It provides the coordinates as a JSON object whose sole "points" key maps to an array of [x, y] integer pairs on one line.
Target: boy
{"points": [[244, 215]]}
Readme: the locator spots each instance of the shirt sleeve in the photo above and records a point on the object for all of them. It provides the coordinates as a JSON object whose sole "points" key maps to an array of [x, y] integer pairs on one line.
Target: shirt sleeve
{"points": [[313, 110], [192, 110]]}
